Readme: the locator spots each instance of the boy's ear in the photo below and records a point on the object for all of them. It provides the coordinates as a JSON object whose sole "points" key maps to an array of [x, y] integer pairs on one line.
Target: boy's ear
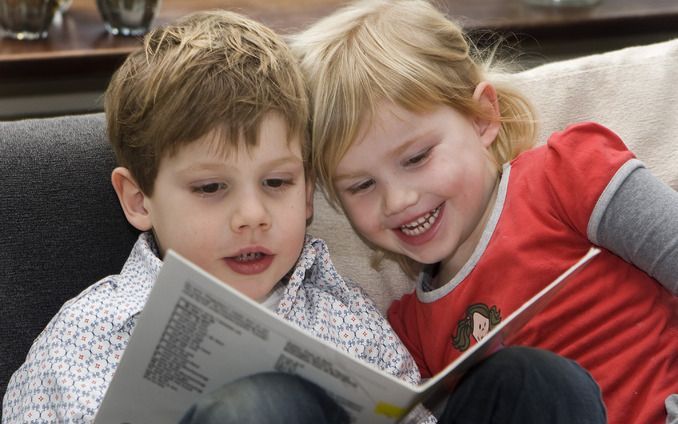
{"points": [[487, 125], [310, 190], [131, 198]]}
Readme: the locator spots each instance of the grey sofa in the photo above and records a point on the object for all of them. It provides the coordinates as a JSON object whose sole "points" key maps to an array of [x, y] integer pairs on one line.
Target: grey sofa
{"points": [[62, 227]]}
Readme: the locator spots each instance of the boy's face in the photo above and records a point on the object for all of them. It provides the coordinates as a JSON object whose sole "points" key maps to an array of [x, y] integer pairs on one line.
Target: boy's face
{"points": [[240, 215]]}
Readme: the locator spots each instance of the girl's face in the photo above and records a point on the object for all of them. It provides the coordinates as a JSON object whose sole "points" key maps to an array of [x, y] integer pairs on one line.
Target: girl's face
{"points": [[421, 184]]}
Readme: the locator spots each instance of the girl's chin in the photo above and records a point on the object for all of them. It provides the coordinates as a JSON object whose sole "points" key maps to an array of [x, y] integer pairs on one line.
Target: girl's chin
{"points": [[423, 258]]}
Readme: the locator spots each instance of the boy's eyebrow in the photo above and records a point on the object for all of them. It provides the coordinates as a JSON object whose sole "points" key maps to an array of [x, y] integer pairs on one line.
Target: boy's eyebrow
{"points": [[218, 165], [284, 160]]}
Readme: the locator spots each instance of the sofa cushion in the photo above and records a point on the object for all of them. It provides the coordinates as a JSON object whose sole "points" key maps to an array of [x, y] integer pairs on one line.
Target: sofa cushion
{"points": [[633, 91]]}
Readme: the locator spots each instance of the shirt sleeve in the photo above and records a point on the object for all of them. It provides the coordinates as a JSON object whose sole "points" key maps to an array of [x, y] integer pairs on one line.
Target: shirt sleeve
{"points": [[579, 164], [389, 353], [638, 221], [70, 364], [671, 403], [604, 193], [48, 386]]}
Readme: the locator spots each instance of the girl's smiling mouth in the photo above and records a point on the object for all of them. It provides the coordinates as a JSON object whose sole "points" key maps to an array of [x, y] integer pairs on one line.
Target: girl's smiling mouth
{"points": [[421, 224], [422, 229]]}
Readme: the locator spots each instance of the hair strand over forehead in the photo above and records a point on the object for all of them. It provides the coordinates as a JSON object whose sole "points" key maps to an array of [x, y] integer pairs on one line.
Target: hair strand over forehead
{"points": [[211, 71], [400, 51]]}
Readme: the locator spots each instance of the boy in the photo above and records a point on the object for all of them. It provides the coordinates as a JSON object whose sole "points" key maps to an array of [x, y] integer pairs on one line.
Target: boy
{"points": [[208, 125]]}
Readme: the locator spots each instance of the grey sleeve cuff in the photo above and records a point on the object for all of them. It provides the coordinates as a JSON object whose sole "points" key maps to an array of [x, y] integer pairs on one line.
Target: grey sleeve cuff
{"points": [[671, 403], [636, 218]]}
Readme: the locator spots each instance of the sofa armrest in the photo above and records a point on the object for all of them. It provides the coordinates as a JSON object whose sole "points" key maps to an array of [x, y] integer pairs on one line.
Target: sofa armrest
{"points": [[61, 226]]}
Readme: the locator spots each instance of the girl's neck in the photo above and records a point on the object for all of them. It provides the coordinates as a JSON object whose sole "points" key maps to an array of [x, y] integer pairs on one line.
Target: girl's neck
{"points": [[448, 268]]}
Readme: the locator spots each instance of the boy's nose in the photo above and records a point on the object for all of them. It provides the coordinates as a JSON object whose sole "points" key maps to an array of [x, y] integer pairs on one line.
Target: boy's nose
{"points": [[250, 213], [397, 198]]}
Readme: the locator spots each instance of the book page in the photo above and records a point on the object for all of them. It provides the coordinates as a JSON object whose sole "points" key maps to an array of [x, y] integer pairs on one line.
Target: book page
{"points": [[196, 334]]}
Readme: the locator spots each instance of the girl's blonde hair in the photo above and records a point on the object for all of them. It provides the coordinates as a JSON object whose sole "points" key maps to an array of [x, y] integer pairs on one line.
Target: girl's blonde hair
{"points": [[401, 51]]}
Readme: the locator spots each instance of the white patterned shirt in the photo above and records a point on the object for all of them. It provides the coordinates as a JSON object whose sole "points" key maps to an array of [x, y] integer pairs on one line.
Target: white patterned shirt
{"points": [[71, 363]]}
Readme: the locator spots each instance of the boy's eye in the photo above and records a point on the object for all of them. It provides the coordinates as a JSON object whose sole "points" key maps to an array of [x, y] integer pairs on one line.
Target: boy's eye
{"points": [[277, 182], [209, 188], [361, 186]]}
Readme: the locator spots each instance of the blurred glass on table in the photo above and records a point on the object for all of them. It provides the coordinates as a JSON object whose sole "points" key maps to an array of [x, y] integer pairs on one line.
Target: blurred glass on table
{"points": [[563, 3], [64, 5], [26, 19], [128, 17]]}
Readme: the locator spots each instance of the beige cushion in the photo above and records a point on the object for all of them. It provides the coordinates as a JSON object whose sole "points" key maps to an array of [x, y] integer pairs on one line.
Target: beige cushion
{"points": [[633, 91]]}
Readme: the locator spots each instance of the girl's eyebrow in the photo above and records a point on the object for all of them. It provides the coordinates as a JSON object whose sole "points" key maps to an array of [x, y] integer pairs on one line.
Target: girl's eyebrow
{"points": [[406, 145], [399, 150], [349, 176]]}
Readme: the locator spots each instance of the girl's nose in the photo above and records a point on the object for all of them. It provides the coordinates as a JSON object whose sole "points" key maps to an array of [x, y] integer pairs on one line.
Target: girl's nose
{"points": [[250, 213], [397, 198]]}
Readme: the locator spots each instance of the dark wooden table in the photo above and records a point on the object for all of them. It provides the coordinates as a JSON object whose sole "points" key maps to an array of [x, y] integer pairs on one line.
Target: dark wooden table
{"points": [[80, 55]]}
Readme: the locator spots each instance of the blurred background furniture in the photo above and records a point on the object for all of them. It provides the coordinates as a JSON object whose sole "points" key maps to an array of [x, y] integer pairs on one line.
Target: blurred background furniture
{"points": [[68, 71]]}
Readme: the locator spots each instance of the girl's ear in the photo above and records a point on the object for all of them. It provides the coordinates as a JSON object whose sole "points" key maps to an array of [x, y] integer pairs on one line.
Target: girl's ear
{"points": [[131, 198], [487, 125]]}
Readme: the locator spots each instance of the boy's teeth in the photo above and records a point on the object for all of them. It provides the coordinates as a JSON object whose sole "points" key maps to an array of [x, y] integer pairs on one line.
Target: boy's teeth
{"points": [[252, 256], [421, 224]]}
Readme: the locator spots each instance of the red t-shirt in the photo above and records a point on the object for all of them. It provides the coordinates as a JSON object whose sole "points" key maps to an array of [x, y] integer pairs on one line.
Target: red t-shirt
{"points": [[612, 318]]}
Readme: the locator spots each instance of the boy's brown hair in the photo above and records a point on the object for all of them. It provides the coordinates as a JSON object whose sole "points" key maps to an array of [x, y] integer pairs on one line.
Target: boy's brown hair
{"points": [[209, 71]]}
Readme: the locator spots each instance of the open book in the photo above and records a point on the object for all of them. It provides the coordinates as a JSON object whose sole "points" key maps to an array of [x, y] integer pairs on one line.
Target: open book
{"points": [[196, 333]]}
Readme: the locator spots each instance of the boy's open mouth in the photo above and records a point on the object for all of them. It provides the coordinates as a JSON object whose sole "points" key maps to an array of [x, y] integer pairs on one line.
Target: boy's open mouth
{"points": [[250, 263], [251, 256], [421, 224]]}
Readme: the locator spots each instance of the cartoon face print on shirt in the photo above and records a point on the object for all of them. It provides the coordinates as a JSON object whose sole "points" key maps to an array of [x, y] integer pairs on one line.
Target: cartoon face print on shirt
{"points": [[477, 322]]}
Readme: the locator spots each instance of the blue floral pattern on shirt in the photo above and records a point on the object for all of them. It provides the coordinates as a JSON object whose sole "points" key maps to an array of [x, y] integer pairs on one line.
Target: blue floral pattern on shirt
{"points": [[71, 363]]}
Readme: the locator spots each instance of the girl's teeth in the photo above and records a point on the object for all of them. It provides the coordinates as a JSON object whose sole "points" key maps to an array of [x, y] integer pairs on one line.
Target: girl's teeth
{"points": [[422, 224], [249, 257]]}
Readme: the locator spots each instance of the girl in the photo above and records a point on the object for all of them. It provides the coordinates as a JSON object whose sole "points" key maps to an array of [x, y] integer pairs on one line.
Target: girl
{"points": [[433, 164]]}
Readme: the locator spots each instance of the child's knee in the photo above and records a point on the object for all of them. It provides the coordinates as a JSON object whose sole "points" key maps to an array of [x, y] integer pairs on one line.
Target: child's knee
{"points": [[264, 398]]}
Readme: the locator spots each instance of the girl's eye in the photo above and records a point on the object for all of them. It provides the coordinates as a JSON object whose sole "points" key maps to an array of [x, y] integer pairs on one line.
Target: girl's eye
{"points": [[414, 160], [210, 188], [277, 182], [361, 186]]}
